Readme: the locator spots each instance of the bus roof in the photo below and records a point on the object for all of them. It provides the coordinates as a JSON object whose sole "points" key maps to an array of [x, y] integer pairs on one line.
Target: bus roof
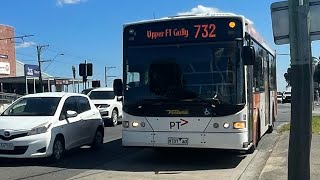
{"points": [[257, 36], [249, 28], [191, 16]]}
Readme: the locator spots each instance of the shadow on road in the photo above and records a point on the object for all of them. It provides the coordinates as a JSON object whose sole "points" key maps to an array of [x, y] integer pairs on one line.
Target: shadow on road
{"points": [[112, 156]]}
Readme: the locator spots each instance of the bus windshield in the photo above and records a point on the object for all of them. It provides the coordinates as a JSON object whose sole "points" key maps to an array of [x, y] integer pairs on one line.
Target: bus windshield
{"points": [[184, 73]]}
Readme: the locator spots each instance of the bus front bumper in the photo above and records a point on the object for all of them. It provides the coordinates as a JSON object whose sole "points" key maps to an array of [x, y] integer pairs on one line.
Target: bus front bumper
{"points": [[235, 141]]}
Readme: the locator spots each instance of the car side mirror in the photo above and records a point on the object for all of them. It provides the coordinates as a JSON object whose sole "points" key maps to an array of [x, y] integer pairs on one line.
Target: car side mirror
{"points": [[248, 55], [117, 87], [71, 114], [119, 98]]}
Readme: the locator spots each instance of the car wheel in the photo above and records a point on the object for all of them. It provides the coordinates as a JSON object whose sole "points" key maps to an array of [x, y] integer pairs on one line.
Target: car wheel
{"points": [[114, 118], [58, 149], [97, 140]]}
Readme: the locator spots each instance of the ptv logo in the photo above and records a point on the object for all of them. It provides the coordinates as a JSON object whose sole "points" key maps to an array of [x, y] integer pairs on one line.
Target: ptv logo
{"points": [[178, 124]]}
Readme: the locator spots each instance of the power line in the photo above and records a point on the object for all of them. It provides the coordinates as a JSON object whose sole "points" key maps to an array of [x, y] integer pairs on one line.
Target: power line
{"points": [[29, 55], [16, 37], [52, 61]]}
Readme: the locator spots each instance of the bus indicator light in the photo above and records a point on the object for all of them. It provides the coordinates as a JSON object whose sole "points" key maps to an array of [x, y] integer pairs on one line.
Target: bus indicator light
{"points": [[232, 24], [239, 125]]}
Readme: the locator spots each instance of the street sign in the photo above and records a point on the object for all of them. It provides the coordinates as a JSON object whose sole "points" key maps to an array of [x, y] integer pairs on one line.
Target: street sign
{"points": [[4, 68], [61, 82], [31, 70], [280, 21], [85, 69], [3, 56], [96, 83]]}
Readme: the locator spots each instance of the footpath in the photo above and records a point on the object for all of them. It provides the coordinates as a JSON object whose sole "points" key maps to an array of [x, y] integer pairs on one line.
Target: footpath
{"points": [[277, 164]]}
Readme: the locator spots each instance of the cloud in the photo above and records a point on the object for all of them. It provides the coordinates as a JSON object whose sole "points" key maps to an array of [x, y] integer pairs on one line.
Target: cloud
{"points": [[200, 9], [63, 2], [25, 44]]}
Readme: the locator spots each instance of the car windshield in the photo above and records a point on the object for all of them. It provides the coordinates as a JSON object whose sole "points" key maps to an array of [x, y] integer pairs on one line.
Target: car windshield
{"points": [[101, 95], [33, 106]]}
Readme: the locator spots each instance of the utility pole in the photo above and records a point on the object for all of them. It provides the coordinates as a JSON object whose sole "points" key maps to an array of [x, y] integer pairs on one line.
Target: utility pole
{"points": [[105, 74], [301, 113], [39, 48]]}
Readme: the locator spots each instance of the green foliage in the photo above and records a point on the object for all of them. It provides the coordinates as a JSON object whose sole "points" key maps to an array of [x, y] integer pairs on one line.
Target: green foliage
{"points": [[315, 125], [287, 76], [316, 75]]}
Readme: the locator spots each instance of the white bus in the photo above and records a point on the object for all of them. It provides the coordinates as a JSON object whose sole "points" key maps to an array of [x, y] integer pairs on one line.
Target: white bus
{"points": [[201, 81]]}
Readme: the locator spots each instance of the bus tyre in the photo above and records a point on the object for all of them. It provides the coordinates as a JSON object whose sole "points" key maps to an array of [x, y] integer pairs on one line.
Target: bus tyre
{"points": [[252, 149], [270, 129], [114, 117], [254, 145]]}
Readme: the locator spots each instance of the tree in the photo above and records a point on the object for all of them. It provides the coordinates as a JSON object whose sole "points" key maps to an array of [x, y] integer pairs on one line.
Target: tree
{"points": [[316, 75], [287, 76]]}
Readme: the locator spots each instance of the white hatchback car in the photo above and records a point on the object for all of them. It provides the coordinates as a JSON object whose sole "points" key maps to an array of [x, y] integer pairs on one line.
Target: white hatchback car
{"points": [[109, 105], [47, 124]]}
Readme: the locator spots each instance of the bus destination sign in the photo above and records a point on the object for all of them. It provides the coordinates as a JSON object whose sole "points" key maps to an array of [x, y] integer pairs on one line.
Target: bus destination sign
{"points": [[186, 30]]}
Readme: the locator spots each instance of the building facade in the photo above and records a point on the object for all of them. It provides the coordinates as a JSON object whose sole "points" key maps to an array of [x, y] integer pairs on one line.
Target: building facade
{"points": [[7, 52]]}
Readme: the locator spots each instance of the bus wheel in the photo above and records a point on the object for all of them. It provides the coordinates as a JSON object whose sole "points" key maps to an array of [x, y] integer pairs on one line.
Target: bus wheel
{"points": [[271, 127], [255, 144], [251, 150]]}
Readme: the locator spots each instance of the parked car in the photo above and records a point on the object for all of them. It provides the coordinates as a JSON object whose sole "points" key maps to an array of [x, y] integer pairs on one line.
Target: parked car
{"points": [[86, 91], [47, 124], [109, 105], [286, 97], [279, 97]]}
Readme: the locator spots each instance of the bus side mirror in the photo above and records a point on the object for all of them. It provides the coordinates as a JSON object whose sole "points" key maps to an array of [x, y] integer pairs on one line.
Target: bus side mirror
{"points": [[117, 87], [248, 55]]}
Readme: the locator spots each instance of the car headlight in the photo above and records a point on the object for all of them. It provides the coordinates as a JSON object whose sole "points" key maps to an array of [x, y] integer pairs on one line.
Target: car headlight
{"points": [[40, 129]]}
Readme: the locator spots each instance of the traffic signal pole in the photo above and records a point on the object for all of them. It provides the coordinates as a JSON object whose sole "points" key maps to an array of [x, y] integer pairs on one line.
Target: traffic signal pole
{"points": [[301, 109]]}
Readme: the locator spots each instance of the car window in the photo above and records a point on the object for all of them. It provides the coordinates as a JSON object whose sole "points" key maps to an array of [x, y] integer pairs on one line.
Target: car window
{"points": [[69, 105], [83, 103], [33, 106], [101, 95]]}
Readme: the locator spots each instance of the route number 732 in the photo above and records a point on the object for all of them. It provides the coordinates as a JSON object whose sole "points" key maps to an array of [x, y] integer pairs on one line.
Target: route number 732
{"points": [[206, 30]]}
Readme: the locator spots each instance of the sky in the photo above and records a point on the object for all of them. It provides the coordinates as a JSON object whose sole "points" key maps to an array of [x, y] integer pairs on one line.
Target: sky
{"points": [[92, 29]]}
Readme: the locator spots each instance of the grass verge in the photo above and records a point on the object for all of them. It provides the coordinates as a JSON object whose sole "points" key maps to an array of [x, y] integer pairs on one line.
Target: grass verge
{"points": [[315, 126]]}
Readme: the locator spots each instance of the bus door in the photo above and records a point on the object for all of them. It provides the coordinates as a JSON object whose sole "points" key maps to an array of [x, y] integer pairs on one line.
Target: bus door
{"points": [[250, 102], [267, 89]]}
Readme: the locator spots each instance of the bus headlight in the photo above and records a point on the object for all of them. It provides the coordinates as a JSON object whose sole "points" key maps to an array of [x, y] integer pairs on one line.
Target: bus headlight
{"points": [[226, 125], [135, 124], [239, 125], [125, 124]]}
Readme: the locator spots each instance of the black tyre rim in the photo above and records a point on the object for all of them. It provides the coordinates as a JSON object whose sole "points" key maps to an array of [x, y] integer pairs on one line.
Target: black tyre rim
{"points": [[114, 117], [58, 149]]}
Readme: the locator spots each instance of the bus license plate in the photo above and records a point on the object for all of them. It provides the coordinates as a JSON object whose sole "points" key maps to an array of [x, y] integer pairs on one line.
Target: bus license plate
{"points": [[6, 146], [177, 141]]}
